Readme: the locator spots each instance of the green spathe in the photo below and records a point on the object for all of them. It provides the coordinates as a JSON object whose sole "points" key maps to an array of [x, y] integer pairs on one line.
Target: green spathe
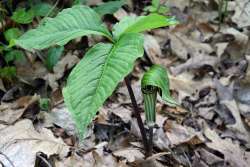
{"points": [[157, 76]]}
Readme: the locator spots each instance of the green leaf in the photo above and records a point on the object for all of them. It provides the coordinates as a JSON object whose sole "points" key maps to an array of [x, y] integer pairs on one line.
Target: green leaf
{"points": [[8, 72], [2, 48], [44, 104], [156, 3], [54, 55], [142, 23], [109, 7], [79, 2], [150, 9], [69, 24], [22, 16], [157, 76], [14, 55], [12, 33], [163, 9], [94, 79], [42, 9], [11, 43]]}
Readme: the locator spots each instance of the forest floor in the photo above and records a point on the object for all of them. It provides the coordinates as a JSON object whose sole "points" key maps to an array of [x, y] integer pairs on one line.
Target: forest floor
{"points": [[207, 57]]}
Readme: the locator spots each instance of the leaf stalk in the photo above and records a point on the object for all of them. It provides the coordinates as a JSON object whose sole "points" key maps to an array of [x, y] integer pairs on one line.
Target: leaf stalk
{"points": [[138, 117]]}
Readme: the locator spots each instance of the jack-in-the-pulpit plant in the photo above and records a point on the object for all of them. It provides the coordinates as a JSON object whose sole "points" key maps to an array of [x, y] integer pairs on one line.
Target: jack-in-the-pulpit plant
{"points": [[104, 65], [154, 81]]}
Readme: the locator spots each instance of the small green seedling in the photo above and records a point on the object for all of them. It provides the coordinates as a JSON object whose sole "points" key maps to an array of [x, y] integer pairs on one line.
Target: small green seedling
{"points": [[157, 7], [10, 54], [222, 12], [104, 65], [24, 16], [45, 104], [54, 54]]}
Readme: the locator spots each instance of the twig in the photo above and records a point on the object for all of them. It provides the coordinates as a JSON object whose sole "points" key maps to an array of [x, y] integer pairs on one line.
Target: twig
{"points": [[1, 163], [1, 153], [54, 6], [137, 115], [44, 160]]}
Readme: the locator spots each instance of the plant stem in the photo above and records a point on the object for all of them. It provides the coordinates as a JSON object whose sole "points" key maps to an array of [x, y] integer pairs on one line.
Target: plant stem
{"points": [[138, 116], [150, 140]]}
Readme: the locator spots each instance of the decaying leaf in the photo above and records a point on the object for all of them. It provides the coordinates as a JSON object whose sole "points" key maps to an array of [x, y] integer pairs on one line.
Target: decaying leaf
{"points": [[137, 91], [180, 4], [234, 155], [184, 47], [61, 117], [226, 99], [11, 112], [29, 72], [152, 48], [21, 142], [178, 134], [240, 37], [123, 113], [205, 158], [66, 63], [196, 63], [2, 85], [130, 154], [242, 13], [97, 158], [186, 86]]}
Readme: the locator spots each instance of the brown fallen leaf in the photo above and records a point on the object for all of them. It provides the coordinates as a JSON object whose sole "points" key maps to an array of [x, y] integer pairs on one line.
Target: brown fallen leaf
{"points": [[206, 31], [242, 94], [220, 48], [130, 154], [242, 13], [186, 86], [180, 4], [227, 100], [25, 101], [204, 158], [2, 86], [11, 112], [183, 47], [61, 117], [122, 112], [104, 160], [21, 142], [178, 134], [119, 14], [151, 161], [195, 63], [234, 155], [66, 63], [152, 48], [8, 115], [160, 140], [240, 37], [30, 72], [124, 92], [76, 161], [208, 157]]}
